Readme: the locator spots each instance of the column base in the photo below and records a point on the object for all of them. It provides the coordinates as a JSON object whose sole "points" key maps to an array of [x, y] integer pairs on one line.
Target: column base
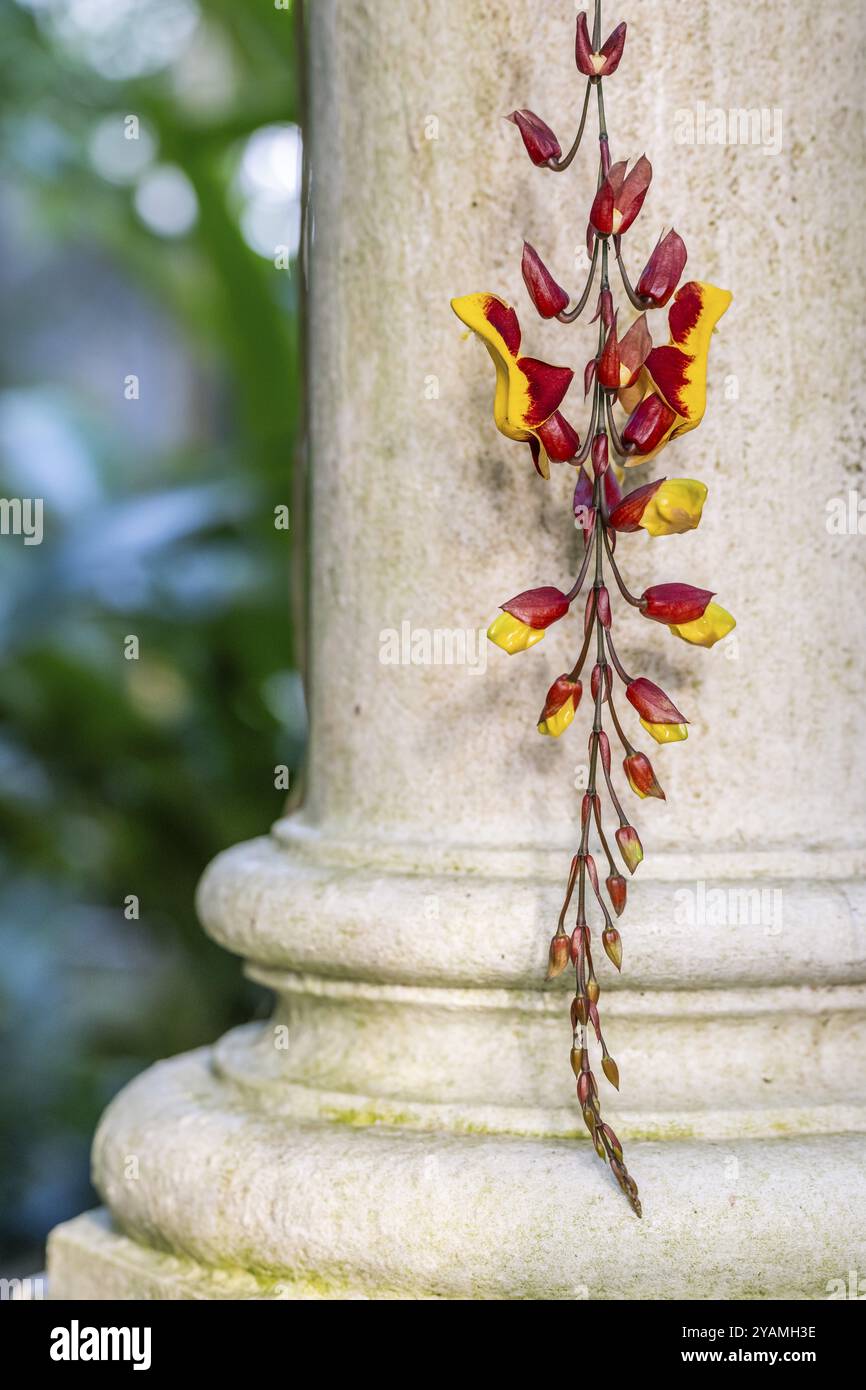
{"points": [[214, 1197]]}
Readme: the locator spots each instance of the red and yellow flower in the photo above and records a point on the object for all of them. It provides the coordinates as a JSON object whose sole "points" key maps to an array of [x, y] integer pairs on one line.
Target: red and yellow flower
{"points": [[673, 382], [526, 617], [560, 707], [528, 392], [667, 507]]}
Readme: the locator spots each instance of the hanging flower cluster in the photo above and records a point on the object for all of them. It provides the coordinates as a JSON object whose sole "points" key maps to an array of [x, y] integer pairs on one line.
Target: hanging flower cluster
{"points": [[661, 392]]}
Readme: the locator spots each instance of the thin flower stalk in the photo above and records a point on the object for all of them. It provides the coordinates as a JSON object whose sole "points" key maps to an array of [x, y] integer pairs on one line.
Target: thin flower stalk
{"points": [[660, 394]]}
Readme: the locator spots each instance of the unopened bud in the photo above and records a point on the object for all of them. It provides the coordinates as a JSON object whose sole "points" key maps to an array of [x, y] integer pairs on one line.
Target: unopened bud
{"points": [[611, 1070], [612, 942], [578, 1057], [557, 958], [630, 846], [614, 1142], [603, 607], [600, 458], [617, 890]]}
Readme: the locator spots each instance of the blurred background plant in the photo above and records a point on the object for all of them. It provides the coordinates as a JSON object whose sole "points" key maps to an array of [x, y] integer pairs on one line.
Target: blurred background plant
{"points": [[150, 160]]}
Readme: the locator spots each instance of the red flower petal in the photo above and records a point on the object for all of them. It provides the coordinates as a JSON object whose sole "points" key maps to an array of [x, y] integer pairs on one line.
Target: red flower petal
{"points": [[538, 607], [563, 689], [612, 49], [608, 362], [661, 274], [627, 516], [583, 48], [648, 423], [561, 442], [546, 385], [674, 603], [652, 704], [630, 198], [634, 349]]}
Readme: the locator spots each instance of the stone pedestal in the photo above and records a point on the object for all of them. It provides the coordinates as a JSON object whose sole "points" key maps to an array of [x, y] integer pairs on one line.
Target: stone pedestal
{"points": [[405, 1126]]}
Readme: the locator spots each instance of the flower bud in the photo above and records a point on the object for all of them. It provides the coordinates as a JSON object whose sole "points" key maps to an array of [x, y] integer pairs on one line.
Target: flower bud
{"points": [[608, 362], [557, 958], [612, 943], [674, 603], [652, 703], [581, 1009], [540, 141], [641, 778], [661, 274], [603, 606], [584, 1087], [592, 990], [630, 846], [600, 459], [591, 869], [584, 512], [578, 1057], [611, 1070], [614, 1143], [560, 707], [538, 607], [548, 297], [603, 740], [648, 425], [617, 889], [604, 308], [596, 677]]}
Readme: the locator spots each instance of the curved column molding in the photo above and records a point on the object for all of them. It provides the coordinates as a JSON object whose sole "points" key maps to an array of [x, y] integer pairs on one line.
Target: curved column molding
{"points": [[397, 1128]]}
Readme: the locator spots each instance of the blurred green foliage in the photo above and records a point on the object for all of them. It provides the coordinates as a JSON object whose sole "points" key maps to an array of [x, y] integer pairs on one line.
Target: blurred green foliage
{"points": [[124, 777]]}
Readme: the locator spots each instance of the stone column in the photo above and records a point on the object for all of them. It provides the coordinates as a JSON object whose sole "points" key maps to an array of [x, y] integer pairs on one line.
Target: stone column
{"points": [[417, 1136]]}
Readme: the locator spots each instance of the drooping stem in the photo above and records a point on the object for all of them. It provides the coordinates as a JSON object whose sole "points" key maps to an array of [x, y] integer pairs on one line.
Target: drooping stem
{"points": [[560, 165]]}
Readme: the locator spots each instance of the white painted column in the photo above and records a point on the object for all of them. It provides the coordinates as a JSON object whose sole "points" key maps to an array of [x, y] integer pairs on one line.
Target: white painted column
{"points": [[410, 1138]]}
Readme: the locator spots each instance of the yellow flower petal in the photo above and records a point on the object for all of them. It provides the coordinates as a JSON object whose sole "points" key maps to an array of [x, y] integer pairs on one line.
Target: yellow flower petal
{"points": [[666, 733], [512, 635], [714, 624], [676, 507], [528, 392], [556, 724]]}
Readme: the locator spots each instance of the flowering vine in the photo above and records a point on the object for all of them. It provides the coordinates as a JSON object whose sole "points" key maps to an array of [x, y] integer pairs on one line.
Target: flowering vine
{"points": [[661, 392]]}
